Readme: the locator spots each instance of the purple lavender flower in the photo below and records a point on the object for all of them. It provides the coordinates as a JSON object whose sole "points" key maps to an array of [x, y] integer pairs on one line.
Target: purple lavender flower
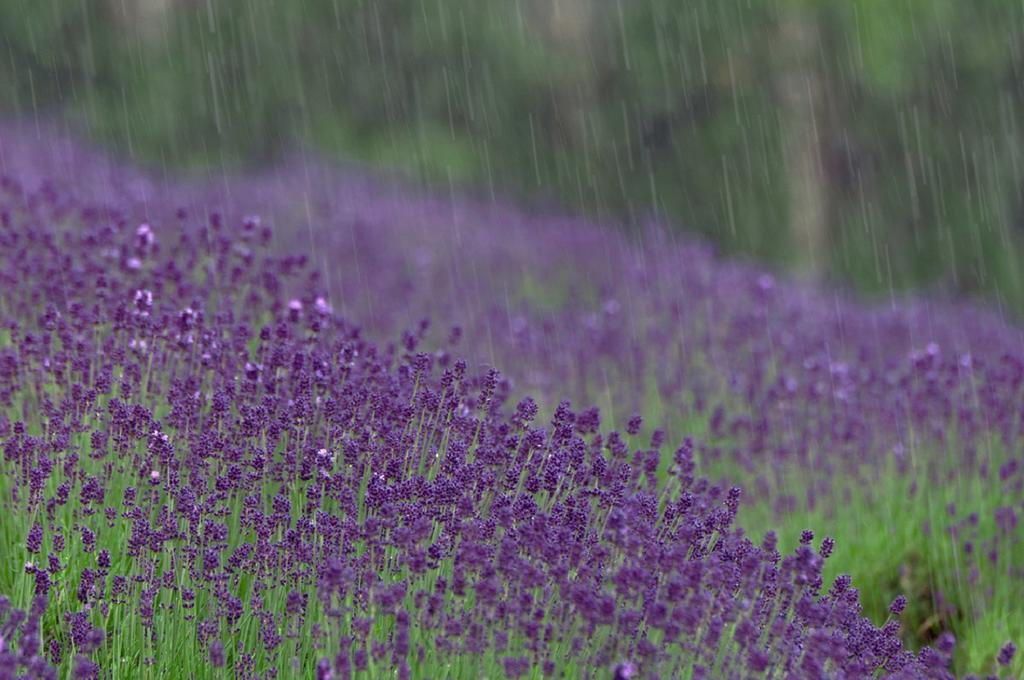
{"points": [[85, 669], [946, 642], [625, 671], [34, 543], [1006, 654], [633, 427], [216, 654]]}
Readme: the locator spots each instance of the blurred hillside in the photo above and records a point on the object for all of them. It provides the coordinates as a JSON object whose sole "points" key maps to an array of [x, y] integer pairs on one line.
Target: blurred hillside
{"points": [[866, 141]]}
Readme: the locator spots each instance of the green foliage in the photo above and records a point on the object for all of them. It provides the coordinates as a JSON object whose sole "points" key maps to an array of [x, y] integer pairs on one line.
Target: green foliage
{"points": [[929, 124]]}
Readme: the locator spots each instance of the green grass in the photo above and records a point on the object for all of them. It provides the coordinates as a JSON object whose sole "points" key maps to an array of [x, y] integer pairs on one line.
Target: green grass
{"points": [[891, 537]]}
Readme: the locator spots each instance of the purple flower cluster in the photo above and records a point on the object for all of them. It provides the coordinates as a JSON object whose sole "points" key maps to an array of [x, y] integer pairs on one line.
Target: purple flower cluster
{"points": [[777, 372], [209, 455]]}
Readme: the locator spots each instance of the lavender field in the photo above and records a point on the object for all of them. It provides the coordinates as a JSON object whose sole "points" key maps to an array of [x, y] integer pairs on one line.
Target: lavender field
{"points": [[313, 422]]}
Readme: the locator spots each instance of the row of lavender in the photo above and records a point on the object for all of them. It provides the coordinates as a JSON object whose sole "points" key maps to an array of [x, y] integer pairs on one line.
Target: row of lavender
{"points": [[198, 467], [770, 377], [785, 370]]}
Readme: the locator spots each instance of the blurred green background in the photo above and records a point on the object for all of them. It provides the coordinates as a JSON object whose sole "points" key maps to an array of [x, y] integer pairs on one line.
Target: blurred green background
{"points": [[871, 142]]}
